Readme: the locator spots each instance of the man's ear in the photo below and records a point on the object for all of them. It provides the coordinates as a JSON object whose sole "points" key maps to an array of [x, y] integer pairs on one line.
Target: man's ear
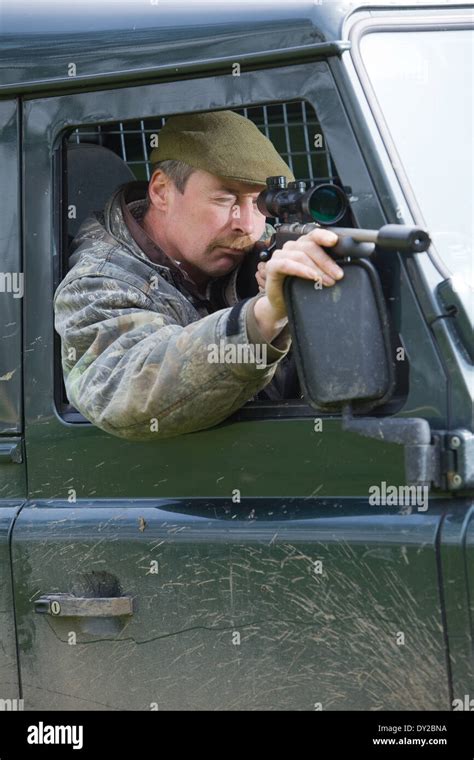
{"points": [[159, 189]]}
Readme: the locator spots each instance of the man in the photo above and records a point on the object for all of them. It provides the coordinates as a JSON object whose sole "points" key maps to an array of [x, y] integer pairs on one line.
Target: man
{"points": [[152, 326]]}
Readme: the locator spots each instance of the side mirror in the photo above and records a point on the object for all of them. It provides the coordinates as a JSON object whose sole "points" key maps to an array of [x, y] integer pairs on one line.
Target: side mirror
{"points": [[341, 339], [342, 349]]}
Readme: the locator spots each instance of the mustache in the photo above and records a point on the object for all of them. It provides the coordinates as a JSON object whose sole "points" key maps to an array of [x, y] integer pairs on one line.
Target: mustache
{"points": [[242, 244]]}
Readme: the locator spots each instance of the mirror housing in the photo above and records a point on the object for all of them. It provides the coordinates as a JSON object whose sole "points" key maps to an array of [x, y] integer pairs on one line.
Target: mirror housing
{"points": [[341, 339]]}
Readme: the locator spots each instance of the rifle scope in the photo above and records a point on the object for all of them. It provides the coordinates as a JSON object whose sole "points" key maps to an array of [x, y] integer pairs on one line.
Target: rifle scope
{"points": [[325, 204]]}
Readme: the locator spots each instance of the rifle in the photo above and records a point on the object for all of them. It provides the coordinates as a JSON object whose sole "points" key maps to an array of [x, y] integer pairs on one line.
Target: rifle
{"points": [[323, 206]]}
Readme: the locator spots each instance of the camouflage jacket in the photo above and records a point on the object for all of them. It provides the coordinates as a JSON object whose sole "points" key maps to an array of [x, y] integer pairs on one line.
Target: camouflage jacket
{"points": [[143, 356]]}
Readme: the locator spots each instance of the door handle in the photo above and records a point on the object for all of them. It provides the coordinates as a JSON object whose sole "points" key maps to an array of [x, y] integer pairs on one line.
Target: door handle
{"points": [[68, 605]]}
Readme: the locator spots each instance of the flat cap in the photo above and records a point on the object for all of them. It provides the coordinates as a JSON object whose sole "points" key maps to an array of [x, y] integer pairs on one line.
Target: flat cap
{"points": [[222, 143]]}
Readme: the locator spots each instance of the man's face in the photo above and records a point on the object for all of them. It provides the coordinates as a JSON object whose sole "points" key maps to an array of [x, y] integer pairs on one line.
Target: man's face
{"points": [[210, 226]]}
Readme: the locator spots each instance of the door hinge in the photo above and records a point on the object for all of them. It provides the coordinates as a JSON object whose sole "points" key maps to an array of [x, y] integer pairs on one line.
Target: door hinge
{"points": [[11, 451], [457, 459]]}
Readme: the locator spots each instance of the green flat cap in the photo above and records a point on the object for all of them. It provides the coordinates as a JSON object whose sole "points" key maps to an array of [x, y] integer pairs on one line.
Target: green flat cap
{"points": [[222, 143]]}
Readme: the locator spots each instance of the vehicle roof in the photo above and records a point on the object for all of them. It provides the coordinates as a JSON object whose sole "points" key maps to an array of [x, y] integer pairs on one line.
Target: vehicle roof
{"points": [[40, 38]]}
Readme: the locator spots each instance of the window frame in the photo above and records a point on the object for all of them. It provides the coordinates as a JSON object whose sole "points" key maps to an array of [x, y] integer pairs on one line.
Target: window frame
{"points": [[421, 22], [337, 133], [252, 410]]}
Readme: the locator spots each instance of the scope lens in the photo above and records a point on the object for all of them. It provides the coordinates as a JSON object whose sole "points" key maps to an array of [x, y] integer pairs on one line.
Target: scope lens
{"points": [[327, 204]]}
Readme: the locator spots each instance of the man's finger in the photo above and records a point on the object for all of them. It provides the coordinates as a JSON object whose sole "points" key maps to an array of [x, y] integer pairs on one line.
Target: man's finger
{"points": [[322, 236], [296, 266], [311, 255], [315, 253]]}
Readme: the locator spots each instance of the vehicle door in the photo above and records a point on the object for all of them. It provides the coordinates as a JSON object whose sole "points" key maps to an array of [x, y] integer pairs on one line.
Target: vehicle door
{"points": [[242, 567]]}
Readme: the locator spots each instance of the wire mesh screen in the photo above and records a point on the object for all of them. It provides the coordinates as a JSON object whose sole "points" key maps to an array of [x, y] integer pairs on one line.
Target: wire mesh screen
{"points": [[293, 128]]}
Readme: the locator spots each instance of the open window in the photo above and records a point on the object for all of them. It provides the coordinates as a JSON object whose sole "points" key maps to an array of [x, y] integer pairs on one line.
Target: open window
{"points": [[98, 158]]}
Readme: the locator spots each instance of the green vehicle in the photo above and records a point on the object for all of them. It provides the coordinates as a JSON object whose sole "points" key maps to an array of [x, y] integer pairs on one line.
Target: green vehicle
{"points": [[312, 553]]}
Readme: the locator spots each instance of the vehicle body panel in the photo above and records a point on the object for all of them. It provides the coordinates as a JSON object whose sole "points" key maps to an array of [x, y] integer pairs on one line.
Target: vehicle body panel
{"points": [[236, 613]]}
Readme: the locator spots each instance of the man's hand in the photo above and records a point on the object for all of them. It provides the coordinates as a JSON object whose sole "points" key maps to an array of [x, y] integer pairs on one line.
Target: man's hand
{"points": [[300, 258]]}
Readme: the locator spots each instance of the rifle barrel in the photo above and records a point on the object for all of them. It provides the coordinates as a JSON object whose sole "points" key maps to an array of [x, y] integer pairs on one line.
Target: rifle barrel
{"points": [[399, 237]]}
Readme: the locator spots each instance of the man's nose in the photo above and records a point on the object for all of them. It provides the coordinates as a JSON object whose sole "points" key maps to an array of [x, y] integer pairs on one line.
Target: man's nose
{"points": [[243, 217]]}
